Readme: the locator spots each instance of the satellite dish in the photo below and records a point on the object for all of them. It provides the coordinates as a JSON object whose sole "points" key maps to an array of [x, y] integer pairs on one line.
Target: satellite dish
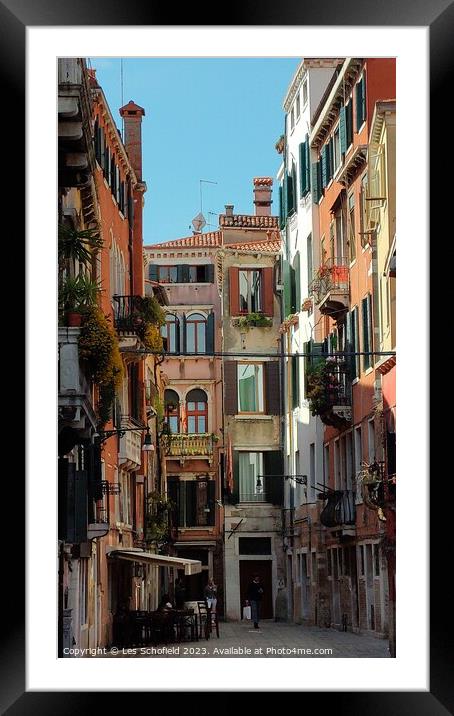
{"points": [[199, 222]]}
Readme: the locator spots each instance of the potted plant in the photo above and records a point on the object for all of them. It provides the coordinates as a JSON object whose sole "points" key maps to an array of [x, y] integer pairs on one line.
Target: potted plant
{"points": [[78, 293], [77, 245]]}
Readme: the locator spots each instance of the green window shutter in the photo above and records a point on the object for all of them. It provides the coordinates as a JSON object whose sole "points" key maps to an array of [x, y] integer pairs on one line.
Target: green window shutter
{"points": [[303, 187], [287, 289], [297, 266], [366, 347], [315, 182], [210, 334], [343, 131], [363, 96], [330, 159], [281, 208], [290, 194], [349, 122], [295, 381], [324, 168], [308, 164], [316, 352], [153, 272], [292, 290], [359, 105], [209, 273], [284, 200], [306, 350]]}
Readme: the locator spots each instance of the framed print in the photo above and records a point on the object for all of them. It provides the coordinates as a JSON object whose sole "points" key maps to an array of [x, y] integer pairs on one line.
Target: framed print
{"points": [[175, 474]]}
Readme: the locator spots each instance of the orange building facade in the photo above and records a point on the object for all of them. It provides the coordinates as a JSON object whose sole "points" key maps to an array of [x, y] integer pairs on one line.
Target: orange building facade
{"points": [[343, 170]]}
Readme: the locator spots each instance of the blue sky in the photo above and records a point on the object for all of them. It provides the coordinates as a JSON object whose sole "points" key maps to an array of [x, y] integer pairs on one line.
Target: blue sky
{"points": [[215, 119]]}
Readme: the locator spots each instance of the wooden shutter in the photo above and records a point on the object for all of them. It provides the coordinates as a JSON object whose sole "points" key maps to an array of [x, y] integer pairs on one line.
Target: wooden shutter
{"points": [[107, 164], [272, 388], [209, 273], [211, 501], [94, 471], [297, 266], [112, 173], [80, 506], [235, 495], [292, 290], [308, 164], [315, 182], [273, 464], [234, 291], [295, 381], [302, 152], [117, 184], [268, 291], [287, 288], [173, 494], [182, 273], [343, 131], [191, 487], [230, 388], [209, 341], [153, 272], [324, 168], [349, 121], [281, 208], [359, 104], [330, 159]]}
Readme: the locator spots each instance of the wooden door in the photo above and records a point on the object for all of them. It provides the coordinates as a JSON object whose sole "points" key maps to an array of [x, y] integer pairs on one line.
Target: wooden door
{"points": [[248, 568]]}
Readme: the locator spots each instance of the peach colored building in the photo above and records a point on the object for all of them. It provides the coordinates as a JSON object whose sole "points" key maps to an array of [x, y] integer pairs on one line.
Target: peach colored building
{"points": [[187, 271]]}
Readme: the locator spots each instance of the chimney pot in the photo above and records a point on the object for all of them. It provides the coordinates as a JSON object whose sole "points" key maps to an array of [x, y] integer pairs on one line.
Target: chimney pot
{"points": [[262, 195], [229, 209]]}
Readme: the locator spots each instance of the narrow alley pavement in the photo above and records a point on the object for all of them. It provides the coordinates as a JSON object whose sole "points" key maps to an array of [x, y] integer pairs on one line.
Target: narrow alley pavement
{"points": [[274, 639]]}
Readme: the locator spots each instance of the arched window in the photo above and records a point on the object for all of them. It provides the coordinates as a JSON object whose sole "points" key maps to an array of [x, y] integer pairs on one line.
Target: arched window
{"points": [[197, 411], [170, 333], [196, 333], [172, 410]]}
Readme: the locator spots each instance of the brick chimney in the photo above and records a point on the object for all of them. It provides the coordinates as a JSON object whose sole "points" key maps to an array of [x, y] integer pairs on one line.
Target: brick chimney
{"points": [[229, 209], [262, 195], [132, 115]]}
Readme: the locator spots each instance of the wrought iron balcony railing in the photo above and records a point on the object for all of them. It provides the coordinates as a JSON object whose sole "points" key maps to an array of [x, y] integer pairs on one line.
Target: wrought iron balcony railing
{"points": [[184, 445], [340, 509], [128, 315], [329, 390], [330, 286]]}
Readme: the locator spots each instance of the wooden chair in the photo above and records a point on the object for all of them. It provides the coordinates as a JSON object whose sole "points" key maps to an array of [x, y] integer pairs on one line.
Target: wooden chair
{"points": [[204, 620]]}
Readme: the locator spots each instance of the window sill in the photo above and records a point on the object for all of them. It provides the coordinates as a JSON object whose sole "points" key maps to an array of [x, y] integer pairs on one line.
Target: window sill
{"points": [[355, 381], [252, 416], [369, 370]]}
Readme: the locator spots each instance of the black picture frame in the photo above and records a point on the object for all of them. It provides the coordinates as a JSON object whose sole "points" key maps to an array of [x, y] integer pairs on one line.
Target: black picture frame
{"points": [[15, 17]]}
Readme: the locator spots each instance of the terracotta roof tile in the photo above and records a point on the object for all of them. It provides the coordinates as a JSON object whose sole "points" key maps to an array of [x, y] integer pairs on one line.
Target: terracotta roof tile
{"points": [[248, 220], [272, 245], [211, 238]]}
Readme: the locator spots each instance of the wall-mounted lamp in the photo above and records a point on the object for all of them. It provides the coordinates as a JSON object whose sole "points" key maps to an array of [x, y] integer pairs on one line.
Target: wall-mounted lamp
{"points": [[147, 443], [258, 485]]}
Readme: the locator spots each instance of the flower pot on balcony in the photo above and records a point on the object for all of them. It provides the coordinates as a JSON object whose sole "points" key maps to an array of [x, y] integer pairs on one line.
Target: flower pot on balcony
{"points": [[74, 319]]}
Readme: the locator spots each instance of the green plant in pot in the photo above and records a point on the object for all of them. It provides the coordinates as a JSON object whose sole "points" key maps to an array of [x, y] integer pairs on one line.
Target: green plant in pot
{"points": [[77, 245], [77, 295]]}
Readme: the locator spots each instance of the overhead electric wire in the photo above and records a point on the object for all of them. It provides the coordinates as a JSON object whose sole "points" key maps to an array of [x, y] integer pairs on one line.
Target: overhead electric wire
{"points": [[244, 354]]}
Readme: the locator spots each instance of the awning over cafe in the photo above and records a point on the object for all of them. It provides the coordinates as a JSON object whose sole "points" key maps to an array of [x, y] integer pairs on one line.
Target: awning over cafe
{"points": [[190, 566]]}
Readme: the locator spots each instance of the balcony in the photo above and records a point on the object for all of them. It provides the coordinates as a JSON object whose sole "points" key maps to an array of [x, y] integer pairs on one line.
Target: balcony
{"points": [[340, 511], [331, 287], [329, 390], [192, 447], [75, 400], [130, 452]]}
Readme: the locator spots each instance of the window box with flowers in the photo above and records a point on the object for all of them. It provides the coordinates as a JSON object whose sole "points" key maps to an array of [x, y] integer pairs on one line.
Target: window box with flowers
{"points": [[253, 320]]}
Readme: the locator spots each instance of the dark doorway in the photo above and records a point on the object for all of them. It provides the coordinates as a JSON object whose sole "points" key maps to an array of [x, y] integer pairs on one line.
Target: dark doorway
{"points": [[248, 568]]}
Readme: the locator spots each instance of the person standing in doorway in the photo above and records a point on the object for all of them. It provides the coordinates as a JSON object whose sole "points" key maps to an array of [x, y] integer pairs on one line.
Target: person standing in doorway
{"points": [[254, 595], [211, 595]]}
